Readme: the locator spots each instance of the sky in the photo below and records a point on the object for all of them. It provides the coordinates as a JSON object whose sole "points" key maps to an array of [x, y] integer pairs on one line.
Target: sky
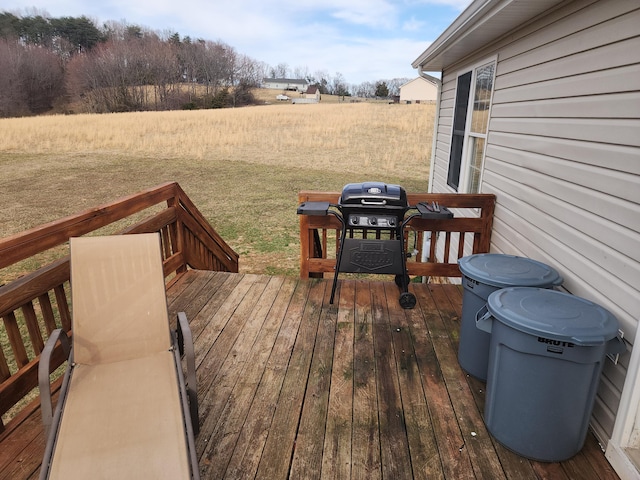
{"points": [[363, 40]]}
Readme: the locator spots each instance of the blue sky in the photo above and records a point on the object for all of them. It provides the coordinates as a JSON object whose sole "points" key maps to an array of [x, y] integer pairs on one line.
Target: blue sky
{"points": [[364, 40]]}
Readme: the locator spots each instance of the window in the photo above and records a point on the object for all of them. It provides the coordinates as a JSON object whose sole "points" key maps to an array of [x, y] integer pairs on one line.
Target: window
{"points": [[470, 124]]}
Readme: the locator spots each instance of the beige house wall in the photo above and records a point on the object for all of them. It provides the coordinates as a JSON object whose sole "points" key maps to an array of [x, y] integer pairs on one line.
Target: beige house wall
{"points": [[418, 90]]}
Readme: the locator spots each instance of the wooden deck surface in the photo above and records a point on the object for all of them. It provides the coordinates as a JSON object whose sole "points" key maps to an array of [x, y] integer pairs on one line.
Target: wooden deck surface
{"points": [[292, 387]]}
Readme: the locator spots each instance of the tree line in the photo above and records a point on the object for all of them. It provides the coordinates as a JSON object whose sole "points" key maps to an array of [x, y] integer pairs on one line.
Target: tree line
{"points": [[68, 63]]}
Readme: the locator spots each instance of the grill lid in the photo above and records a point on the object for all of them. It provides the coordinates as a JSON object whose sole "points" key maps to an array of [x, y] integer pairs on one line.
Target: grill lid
{"points": [[375, 194]]}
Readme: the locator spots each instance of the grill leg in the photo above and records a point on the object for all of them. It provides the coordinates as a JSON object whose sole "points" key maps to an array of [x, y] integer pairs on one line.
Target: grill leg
{"points": [[407, 300], [333, 288], [343, 235]]}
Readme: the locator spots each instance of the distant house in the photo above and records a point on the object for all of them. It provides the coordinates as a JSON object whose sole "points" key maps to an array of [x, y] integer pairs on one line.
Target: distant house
{"points": [[291, 84], [539, 104], [421, 89], [313, 92]]}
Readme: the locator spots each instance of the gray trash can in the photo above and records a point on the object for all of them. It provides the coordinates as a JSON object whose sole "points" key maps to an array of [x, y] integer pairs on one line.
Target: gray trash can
{"points": [[546, 355], [483, 274]]}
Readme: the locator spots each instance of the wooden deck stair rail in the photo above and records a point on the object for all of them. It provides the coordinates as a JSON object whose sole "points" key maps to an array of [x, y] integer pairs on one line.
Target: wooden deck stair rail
{"points": [[471, 225], [32, 306]]}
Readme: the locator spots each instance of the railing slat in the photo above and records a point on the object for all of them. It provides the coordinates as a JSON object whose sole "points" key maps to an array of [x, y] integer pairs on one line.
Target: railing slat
{"points": [[63, 307], [4, 367], [31, 320], [15, 339], [447, 245], [461, 245], [432, 247], [47, 312]]}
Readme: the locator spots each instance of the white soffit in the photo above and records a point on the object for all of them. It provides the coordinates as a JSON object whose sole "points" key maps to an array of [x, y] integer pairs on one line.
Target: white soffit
{"points": [[481, 23]]}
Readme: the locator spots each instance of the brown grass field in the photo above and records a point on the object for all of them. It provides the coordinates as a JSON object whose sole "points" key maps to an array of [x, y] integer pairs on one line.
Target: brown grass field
{"points": [[242, 167]]}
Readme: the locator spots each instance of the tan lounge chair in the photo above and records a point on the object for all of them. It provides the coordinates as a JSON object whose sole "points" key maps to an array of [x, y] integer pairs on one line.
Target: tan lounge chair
{"points": [[125, 410]]}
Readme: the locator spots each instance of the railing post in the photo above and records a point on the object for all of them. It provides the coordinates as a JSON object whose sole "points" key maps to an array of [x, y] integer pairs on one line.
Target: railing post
{"points": [[305, 241], [177, 231], [482, 240]]}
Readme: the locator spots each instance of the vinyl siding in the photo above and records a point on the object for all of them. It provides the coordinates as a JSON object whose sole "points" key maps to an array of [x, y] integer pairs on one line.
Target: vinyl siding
{"points": [[563, 158]]}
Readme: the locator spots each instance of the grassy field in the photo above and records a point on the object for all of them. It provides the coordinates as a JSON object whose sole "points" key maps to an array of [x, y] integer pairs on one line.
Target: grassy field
{"points": [[242, 167]]}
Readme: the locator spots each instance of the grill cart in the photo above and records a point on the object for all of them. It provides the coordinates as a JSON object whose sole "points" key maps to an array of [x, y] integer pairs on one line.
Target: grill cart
{"points": [[380, 210]]}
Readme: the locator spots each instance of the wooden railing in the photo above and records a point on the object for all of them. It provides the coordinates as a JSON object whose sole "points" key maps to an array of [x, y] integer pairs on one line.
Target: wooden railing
{"points": [[468, 232], [32, 306]]}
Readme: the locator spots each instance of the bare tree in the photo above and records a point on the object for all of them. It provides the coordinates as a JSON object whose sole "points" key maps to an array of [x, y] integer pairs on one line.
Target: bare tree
{"points": [[42, 77], [280, 71], [247, 74], [395, 84], [162, 71], [106, 78], [365, 90], [301, 73], [32, 79], [12, 93], [339, 85], [321, 79], [218, 65], [188, 55], [254, 71]]}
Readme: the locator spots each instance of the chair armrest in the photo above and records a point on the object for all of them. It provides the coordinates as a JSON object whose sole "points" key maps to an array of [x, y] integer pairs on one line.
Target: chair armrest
{"points": [[44, 370], [185, 343]]}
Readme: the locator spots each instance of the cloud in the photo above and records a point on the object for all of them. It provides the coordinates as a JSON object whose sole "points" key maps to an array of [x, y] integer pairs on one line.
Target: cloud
{"points": [[413, 25], [373, 14], [458, 5]]}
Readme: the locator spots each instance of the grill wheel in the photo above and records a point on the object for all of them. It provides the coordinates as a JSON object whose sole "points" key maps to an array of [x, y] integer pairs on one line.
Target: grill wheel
{"points": [[407, 300]]}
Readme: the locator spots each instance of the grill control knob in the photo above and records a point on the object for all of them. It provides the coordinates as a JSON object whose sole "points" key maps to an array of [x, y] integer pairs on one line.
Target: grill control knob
{"points": [[373, 221], [354, 220]]}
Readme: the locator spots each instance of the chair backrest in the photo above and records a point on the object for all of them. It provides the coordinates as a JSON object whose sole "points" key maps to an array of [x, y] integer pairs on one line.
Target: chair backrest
{"points": [[118, 298]]}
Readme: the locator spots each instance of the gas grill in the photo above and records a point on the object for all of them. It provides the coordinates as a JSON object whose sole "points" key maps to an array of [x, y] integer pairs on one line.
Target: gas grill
{"points": [[381, 211]]}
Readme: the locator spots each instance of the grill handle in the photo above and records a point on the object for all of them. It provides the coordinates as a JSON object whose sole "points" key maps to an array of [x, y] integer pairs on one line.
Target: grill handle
{"points": [[368, 202]]}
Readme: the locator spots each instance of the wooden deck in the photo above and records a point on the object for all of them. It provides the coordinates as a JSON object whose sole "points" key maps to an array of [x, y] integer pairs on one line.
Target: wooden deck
{"points": [[292, 387]]}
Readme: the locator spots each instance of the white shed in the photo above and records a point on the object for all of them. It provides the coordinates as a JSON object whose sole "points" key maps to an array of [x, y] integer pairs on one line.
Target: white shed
{"points": [[539, 104]]}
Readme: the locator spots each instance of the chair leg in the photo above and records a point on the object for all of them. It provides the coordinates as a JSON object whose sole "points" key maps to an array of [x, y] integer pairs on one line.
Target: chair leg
{"points": [[186, 342], [44, 370]]}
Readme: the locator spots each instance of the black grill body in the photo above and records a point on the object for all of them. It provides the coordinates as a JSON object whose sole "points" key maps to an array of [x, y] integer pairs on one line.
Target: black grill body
{"points": [[373, 216], [372, 206]]}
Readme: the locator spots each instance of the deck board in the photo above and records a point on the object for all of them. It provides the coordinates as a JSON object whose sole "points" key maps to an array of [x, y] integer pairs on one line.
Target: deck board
{"points": [[292, 387]]}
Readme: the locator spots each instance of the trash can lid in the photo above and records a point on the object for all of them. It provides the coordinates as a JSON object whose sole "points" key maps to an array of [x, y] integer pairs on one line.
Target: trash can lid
{"points": [[551, 314], [499, 270]]}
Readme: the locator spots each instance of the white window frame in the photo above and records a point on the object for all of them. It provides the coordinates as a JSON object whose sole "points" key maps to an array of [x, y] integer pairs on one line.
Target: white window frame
{"points": [[469, 136]]}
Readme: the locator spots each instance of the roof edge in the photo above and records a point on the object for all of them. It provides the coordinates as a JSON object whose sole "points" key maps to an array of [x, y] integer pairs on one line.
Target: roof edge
{"points": [[481, 23], [460, 25]]}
